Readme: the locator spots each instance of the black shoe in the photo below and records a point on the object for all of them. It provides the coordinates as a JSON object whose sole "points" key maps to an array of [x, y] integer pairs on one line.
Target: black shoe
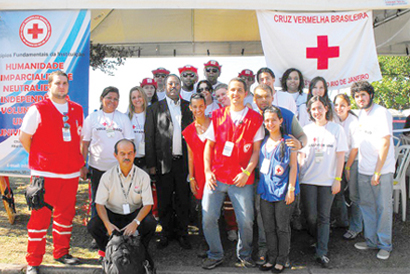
{"points": [[68, 259], [184, 242], [324, 262], [211, 263], [162, 242], [93, 244], [33, 269], [266, 267]]}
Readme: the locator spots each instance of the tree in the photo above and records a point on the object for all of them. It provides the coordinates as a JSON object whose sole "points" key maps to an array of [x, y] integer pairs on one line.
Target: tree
{"points": [[393, 91], [108, 58]]}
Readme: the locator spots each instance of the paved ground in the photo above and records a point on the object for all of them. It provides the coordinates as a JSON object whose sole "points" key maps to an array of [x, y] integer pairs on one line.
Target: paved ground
{"points": [[15, 269]]}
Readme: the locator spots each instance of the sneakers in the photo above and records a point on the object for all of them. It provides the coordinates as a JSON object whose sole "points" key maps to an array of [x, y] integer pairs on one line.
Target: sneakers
{"points": [[68, 259], [383, 254], [32, 269], [211, 263], [245, 263], [350, 235], [363, 246], [324, 261], [232, 235]]}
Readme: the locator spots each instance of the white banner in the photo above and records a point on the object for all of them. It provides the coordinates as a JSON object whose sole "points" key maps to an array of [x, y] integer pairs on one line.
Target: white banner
{"points": [[338, 46]]}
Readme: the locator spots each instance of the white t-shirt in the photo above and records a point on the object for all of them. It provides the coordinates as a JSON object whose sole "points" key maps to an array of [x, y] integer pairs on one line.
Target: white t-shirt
{"points": [[285, 100], [101, 142], [186, 95], [138, 122], [373, 126], [210, 108], [202, 136], [350, 126], [319, 167], [161, 95], [30, 124], [110, 193], [236, 117], [300, 101]]}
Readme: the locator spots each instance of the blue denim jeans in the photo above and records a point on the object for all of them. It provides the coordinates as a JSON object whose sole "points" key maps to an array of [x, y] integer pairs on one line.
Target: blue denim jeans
{"points": [[317, 202], [242, 201], [355, 219], [376, 204]]}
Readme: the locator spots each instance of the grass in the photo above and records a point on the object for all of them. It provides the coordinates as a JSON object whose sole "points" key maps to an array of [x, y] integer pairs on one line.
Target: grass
{"points": [[13, 242]]}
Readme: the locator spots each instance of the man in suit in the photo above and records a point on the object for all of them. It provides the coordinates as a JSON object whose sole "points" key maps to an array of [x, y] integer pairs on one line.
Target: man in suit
{"points": [[166, 157]]}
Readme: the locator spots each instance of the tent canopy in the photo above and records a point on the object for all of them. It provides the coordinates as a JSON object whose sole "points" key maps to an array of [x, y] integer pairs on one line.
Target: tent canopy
{"points": [[213, 27]]}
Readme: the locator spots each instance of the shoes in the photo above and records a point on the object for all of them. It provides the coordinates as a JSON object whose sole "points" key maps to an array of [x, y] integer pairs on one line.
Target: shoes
{"points": [[184, 242], [363, 246], [33, 269], [383, 254], [278, 270], [350, 235], [261, 257], [211, 263], [324, 261], [162, 242], [245, 263], [68, 259], [93, 244], [232, 235], [266, 267]]}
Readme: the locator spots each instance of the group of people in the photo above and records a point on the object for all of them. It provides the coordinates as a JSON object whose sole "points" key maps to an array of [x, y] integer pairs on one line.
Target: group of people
{"points": [[272, 153]]}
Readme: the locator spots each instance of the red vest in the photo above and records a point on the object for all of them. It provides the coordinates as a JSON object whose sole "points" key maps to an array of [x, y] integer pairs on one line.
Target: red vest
{"points": [[48, 151], [226, 168]]}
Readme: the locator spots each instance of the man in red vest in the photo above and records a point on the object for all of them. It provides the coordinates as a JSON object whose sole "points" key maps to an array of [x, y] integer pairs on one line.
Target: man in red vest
{"points": [[231, 155], [50, 133]]}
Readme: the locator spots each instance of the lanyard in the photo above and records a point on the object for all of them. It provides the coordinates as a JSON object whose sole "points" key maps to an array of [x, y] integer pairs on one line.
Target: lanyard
{"points": [[129, 187], [273, 151]]}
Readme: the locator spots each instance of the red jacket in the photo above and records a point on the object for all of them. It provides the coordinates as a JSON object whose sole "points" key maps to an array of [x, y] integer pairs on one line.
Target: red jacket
{"points": [[48, 151], [226, 168]]}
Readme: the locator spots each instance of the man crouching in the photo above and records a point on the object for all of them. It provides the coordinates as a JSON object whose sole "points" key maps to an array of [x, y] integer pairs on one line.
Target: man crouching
{"points": [[123, 201]]}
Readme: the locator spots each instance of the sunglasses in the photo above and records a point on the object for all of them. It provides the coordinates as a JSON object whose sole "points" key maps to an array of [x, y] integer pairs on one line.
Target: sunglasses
{"points": [[186, 74], [65, 119], [214, 70], [203, 89], [160, 75]]}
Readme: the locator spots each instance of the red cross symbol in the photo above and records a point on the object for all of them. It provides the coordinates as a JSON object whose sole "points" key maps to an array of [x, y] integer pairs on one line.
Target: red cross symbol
{"points": [[104, 124], [35, 31], [133, 126], [322, 52], [278, 170]]}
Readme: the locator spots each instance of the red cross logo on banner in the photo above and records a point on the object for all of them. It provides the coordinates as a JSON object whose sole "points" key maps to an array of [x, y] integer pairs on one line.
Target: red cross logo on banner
{"points": [[322, 52], [35, 31], [133, 126]]}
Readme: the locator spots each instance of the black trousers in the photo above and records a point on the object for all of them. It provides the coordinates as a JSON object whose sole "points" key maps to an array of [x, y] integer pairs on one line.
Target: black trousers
{"points": [[95, 181], [173, 182], [97, 229]]}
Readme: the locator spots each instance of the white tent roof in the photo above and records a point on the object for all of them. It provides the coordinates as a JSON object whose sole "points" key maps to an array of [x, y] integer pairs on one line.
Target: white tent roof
{"points": [[213, 27]]}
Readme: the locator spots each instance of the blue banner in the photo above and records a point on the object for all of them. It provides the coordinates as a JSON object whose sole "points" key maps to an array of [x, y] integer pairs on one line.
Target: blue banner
{"points": [[32, 45]]}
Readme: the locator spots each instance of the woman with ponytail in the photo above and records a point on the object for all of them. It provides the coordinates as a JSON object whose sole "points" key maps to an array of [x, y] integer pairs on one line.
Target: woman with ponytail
{"points": [[277, 187]]}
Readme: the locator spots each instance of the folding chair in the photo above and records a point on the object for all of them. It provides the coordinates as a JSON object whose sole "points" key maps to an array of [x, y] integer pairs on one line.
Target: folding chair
{"points": [[399, 182]]}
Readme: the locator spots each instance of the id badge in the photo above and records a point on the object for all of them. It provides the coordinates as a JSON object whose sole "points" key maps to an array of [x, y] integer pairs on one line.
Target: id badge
{"points": [[110, 132], [228, 148], [318, 156], [141, 148], [126, 208], [66, 135], [265, 166]]}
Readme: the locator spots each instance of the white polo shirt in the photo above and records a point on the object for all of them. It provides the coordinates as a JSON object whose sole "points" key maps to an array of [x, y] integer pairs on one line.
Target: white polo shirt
{"points": [[135, 190]]}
